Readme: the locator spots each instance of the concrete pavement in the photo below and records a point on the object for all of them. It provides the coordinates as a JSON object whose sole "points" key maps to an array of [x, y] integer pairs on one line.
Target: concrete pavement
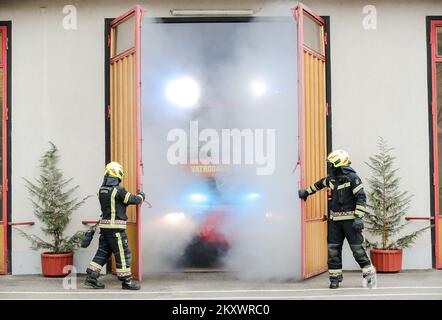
{"points": [[218, 286]]}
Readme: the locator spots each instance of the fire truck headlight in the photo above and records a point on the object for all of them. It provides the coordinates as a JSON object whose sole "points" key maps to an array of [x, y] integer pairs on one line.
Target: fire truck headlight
{"points": [[175, 217], [258, 88], [198, 198], [252, 196], [183, 92]]}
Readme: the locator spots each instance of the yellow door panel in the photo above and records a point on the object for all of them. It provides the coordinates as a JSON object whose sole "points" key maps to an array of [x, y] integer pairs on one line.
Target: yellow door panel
{"points": [[315, 164]]}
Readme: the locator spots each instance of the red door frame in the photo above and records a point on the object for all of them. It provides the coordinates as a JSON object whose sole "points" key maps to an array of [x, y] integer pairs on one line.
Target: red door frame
{"points": [[136, 11], [298, 13], [434, 60], [4, 65]]}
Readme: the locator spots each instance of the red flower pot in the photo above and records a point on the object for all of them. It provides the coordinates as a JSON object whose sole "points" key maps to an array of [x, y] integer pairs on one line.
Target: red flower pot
{"points": [[52, 264], [386, 260]]}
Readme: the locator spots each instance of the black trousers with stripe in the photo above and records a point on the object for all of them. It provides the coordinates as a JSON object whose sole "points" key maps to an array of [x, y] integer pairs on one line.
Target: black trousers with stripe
{"points": [[337, 232], [112, 241]]}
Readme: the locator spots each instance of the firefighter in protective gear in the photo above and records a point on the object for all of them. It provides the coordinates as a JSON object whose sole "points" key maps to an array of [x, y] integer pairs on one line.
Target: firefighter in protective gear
{"points": [[113, 239], [347, 207]]}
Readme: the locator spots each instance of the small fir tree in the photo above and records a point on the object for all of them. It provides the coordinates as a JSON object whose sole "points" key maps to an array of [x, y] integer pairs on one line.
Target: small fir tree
{"points": [[386, 203], [53, 206]]}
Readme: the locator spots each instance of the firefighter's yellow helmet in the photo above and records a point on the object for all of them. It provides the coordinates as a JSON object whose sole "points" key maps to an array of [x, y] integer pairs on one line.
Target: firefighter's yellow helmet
{"points": [[114, 169], [339, 158]]}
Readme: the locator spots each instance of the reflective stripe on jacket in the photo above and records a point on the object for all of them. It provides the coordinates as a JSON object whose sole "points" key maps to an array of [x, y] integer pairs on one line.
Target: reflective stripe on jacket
{"points": [[347, 193]]}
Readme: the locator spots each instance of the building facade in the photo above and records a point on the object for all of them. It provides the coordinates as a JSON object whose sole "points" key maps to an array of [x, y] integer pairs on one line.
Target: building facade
{"points": [[381, 84]]}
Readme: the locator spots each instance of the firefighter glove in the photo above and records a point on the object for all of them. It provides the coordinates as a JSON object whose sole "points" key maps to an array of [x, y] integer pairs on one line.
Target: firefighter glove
{"points": [[142, 195], [88, 236], [358, 224], [303, 194]]}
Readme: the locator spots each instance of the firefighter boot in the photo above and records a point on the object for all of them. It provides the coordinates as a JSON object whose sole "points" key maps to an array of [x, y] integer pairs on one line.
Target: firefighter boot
{"points": [[92, 282], [369, 278], [130, 284], [334, 281]]}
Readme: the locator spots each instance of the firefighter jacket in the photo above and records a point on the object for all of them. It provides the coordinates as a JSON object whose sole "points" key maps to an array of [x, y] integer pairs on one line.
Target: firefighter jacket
{"points": [[113, 200], [347, 199]]}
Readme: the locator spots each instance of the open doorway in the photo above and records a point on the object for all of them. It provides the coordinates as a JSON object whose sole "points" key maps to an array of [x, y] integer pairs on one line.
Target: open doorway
{"points": [[220, 144]]}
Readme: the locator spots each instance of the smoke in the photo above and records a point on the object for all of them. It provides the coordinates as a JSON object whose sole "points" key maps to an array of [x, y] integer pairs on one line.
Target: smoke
{"points": [[246, 74]]}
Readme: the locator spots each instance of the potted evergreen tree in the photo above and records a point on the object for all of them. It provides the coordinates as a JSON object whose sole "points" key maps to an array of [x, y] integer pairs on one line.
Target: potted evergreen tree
{"points": [[387, 206], [53, 206]]}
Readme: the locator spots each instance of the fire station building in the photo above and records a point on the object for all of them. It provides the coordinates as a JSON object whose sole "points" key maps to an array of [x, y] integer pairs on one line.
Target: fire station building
{"points": [[86, 76]]}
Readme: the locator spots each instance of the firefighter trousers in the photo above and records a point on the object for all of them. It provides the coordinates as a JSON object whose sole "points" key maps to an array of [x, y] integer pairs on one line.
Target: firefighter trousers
{"points": [[337, 232], [112, 241]]}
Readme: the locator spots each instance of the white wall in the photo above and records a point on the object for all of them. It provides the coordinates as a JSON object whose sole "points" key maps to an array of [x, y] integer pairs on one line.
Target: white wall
{"points": [[57, 95], [379, 87]]}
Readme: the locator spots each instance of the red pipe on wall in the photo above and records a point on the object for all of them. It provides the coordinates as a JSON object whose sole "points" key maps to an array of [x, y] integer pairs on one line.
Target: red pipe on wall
{"points": [[30, 223], [89, 222], [419, 218]]}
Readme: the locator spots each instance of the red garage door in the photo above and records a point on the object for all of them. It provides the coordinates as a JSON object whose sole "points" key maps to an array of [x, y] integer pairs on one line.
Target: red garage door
{"points": [[3, 150], [436, 106]]}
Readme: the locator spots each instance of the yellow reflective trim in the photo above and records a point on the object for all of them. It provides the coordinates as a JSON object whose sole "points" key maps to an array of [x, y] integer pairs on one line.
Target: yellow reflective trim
{"points": [[345, 185], [126, 198], [359, 213], [358, 188], [335, 271], [369, 269], [309, 190], [332, 185], [339, 218], [324, 182], [123, 270], [121, 251], [113, 213], [360, 210], [112, 226], [96, 265], [313, 187]]}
